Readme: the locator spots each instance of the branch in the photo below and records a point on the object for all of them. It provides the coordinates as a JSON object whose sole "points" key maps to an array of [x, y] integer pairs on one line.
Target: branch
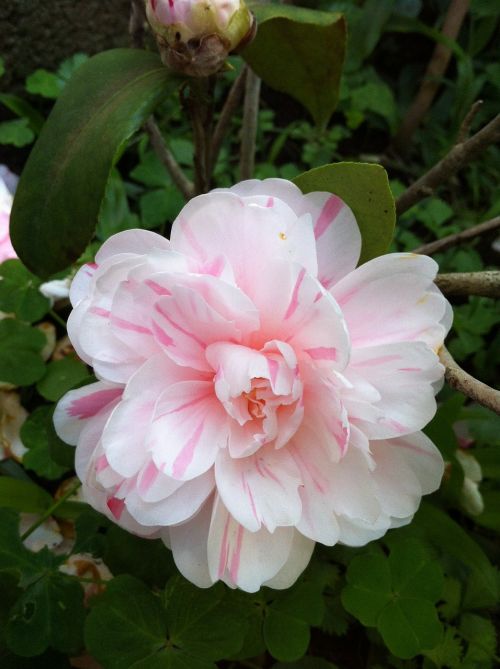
{"points": [[165, 155], [459, 156], [483, 284], [467, 385], [438, 64], [457, 237], [249, 129], [464, 130], [232, 101], [136, 24]]}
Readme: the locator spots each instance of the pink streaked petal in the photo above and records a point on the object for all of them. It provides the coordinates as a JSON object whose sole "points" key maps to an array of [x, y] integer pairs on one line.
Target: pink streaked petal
{"points": [[392, 299], [188, 429], [77, 407], [249, 232], [178, 507], [261, 490], [241, 558]]}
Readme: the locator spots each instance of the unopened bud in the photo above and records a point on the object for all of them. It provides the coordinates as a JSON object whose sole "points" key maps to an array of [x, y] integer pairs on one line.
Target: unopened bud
{"points": [[195, 36]]}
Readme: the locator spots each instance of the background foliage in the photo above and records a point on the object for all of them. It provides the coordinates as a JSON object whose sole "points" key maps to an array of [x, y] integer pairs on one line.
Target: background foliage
{"points": [[426, 595]]}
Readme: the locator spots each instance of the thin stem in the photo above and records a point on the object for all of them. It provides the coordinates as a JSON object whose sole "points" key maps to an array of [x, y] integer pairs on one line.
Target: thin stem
{"points": [[200, 107], [50, 511], [167, 158], [459, 156], [136, 24], [437, 66], [482, 284], [466, 384], [464, 130], [58, 319], [250, 122], [232, 101], [458, 237]]}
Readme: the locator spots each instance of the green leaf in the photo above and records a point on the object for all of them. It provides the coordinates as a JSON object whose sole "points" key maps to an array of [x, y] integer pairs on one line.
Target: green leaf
{"points": [[63, 183], [17, 132], [306, 663], [300, 52], [286, 637], [146, 559], [44, 83], [49, 613], [451, 540], [397, 595], [128, 626], [23, 495], [448, 653], [200, 621], [365, 188], [14, 557], [19, 292], [39, 437], [115, 215], [409, 626], [22, 108], [61, 376], [369, 588], [20, 347], [159, 206], [481, 636]]}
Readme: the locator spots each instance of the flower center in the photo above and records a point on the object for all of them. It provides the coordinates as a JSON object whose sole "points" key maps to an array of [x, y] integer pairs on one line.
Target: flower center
{"points": [[255, 404]]}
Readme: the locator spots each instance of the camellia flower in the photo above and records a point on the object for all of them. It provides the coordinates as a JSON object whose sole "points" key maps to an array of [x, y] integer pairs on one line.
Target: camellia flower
{"points": [[8, 183], [257, 392], [195, 36]]}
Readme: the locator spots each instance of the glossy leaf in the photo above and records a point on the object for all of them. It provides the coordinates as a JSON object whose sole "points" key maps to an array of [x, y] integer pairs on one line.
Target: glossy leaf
{"points": [[60, 192], [300, 52], [365, 188]]}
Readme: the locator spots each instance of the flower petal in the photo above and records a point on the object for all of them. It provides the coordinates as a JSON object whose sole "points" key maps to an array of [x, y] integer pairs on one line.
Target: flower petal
{"points": [[392, 299], [241, 558], [188, 429], [261, 490]]}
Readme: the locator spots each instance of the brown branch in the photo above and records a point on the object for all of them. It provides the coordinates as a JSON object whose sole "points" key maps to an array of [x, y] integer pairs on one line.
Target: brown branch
{"points": [[467, 385], [165, 155], [459, 156], [250, 122], [231, 104], [482, 284], [458, 237], [438, 64], [136, 24], [464, 130]]}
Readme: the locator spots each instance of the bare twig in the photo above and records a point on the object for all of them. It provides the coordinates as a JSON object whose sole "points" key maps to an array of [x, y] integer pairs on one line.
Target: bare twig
{"points": [[199, 104], [136, 24], [464, 130], [466, 384], [250, 121], [165, 155], [482, 284], [438, 64], [459, 156], [458, 237], [232, 101]]}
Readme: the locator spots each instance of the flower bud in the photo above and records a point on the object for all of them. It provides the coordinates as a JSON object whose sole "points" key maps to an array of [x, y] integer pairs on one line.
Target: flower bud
{"points": [[195, 36]]}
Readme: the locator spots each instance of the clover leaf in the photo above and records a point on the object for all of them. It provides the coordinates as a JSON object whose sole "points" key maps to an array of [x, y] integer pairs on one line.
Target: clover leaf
{"points": [[397, 596]]}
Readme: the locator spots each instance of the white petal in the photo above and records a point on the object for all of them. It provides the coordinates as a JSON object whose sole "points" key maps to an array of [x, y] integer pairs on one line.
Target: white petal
{"points": [[245, 559]]}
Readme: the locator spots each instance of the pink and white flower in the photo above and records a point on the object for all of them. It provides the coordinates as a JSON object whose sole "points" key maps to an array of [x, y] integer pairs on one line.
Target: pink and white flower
{"points": [[184, 20], [8, 182], [257, 392]]}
